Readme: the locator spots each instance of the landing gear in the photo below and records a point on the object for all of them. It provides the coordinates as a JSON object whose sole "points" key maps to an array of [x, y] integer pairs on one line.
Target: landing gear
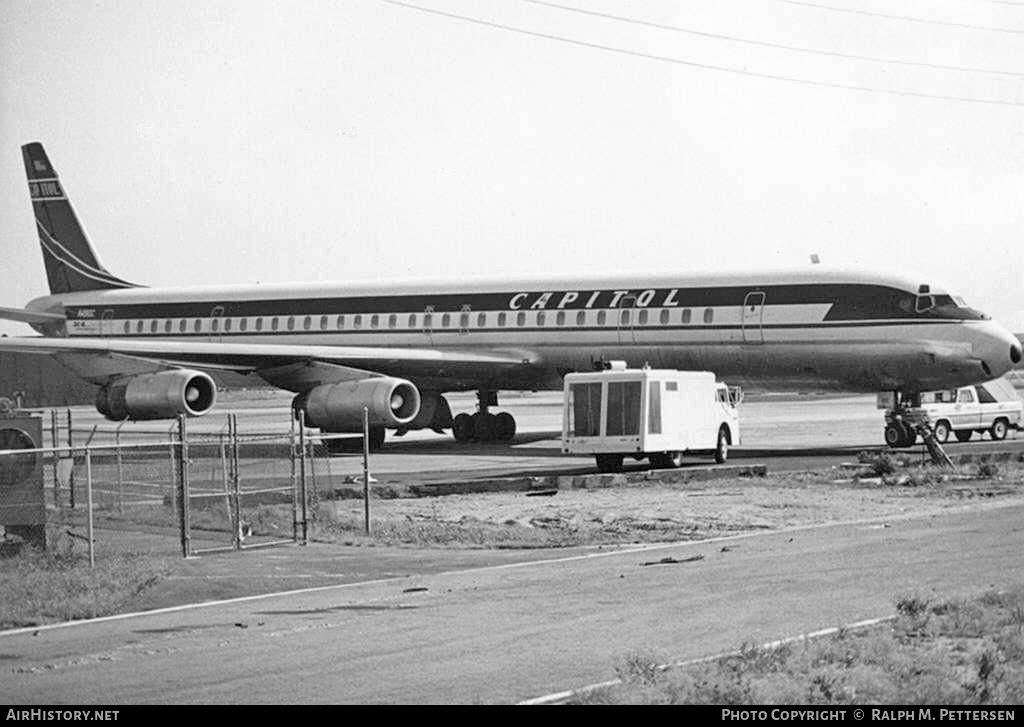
{"points": [[483, 426]]}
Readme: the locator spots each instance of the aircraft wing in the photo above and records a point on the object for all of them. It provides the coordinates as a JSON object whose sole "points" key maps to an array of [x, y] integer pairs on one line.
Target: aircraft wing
{"points": [[290, 366]]}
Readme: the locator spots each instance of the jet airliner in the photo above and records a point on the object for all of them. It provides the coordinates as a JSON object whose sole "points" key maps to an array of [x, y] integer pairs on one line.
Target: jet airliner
{"points": [[397, 347]]}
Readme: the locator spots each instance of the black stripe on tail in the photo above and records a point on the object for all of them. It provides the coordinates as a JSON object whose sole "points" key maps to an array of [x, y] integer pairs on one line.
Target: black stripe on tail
{"points": [[71, 262]]}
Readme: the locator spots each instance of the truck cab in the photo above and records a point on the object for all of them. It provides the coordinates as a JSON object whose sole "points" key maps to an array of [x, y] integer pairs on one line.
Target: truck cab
{"points": [[657, 414]]}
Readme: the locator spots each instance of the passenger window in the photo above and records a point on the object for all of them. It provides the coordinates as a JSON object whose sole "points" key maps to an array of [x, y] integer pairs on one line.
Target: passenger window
{"points": [[520, 319], [624, 317], [393, 321], [291, 323], [167, 326], [198, 326], [481, 320], [127, 327], [709, 315], [686, 315], [502, 319], [227, 324], [412, 320], [259, 324], [152, 327], [138, 327], [428, 320], [215, 324], [643, 318], [182, 325], [445, 320], [243, 324], [374, 320], [357, 322], [671, 386], [581, 318], [601, 318], [541, 318], [340, 323], [560, 318], [664, 317], [323, 323]]}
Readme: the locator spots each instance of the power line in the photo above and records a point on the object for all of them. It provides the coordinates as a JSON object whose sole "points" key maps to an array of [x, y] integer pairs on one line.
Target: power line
{"points": [[907, 18], [694, 64], [767, 44]]}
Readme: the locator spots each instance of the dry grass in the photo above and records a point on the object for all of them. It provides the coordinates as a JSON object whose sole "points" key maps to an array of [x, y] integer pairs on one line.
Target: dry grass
{"points": [[957, 651]]}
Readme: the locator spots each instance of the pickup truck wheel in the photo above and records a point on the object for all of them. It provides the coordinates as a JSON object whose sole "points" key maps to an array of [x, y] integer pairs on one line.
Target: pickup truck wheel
{"points": [[722, 448], [964, 435], [998, 430], [942, 432], [608, 462]]}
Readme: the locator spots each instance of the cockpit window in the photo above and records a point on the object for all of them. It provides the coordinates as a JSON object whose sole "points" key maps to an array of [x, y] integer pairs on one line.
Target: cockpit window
{"points": [[924, 303]]}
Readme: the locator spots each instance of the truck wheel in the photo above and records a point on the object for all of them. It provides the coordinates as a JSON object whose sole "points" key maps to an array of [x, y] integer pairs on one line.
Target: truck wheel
{"points": [[998, 430], [722, 448], [964, 435], [942, 432], [608, 462]]}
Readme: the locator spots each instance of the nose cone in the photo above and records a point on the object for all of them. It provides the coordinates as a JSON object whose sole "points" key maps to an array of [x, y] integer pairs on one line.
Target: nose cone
{"points": [[997, 349]]}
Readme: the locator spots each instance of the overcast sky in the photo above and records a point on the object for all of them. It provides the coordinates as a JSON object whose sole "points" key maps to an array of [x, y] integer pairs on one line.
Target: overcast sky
{"points": [[234, 142]]}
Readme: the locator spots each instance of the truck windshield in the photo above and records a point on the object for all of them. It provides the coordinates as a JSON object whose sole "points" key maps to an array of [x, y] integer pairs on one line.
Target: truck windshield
{"points": [[623, 408], [585, 404]]}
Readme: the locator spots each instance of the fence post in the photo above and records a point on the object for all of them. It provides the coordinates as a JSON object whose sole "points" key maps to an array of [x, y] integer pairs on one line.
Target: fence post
{"points": [[295, 484], [171, 446], [183, 503], [120, 468], [302, 477], [88, 502], [233, 435], [56, 458], [71, 454], [366, 469]]}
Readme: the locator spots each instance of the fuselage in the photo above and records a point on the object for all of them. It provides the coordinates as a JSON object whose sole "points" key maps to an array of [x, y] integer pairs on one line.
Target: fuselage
{"points": [[815, 328]]}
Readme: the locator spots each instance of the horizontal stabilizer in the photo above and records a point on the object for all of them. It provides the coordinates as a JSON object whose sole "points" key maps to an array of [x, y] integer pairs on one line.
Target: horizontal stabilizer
{"points": [[29, 316]]}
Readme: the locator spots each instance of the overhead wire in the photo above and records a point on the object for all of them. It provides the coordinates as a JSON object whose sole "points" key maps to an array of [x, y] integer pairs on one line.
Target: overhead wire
{"points": [[695, 64], [768, 44], [906, 18]]}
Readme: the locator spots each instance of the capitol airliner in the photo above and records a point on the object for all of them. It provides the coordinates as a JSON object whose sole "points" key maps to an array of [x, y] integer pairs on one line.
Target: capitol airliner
{"points": [[396, 347]]}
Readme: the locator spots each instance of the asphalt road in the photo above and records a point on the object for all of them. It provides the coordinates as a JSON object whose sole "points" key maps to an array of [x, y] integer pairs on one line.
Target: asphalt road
{"points": [[510, 632]]}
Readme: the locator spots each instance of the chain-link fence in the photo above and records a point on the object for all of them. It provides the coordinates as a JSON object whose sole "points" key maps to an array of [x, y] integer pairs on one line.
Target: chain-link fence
{"points": [[161, 491]]}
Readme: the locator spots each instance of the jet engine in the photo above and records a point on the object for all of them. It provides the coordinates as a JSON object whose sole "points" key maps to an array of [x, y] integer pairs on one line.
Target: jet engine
{"points": [[163, 395], [338, 407]]}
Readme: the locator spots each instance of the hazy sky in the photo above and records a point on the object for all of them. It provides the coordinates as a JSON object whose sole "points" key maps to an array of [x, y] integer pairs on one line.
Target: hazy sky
{"points": [[233, 142]]}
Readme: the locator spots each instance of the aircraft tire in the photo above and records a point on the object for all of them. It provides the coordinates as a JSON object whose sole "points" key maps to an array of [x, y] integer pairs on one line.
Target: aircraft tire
{"points": [[462, 428], [504, 427], [483, 426]]}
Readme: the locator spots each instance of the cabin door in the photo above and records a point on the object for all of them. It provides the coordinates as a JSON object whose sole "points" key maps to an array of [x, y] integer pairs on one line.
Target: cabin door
{"points": [[625, 320], [216, 322], [752, 317], [107, 323]]}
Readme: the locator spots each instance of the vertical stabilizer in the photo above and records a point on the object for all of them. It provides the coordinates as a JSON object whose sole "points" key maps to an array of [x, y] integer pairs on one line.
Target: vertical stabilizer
{"points": [[71, 263]]}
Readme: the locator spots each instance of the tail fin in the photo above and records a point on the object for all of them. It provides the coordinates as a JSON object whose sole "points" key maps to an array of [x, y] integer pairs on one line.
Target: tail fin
{"points": [[71, 263]]}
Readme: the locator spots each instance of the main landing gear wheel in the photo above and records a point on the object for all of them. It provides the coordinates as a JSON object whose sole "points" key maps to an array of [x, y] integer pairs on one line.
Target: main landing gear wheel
{"points": [[483, 426], [504, 427], [462, 428]]}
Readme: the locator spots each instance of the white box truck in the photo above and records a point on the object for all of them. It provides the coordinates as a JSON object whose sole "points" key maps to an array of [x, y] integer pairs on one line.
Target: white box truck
{"points": [[659, 414]]}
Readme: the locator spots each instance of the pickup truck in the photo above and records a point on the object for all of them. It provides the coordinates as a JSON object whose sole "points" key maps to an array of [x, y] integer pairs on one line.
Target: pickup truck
{"points": [[993, 407]]}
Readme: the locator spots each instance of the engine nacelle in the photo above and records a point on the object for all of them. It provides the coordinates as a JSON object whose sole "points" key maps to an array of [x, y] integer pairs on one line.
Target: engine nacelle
{"points": [[339, 407], [163, 395]]}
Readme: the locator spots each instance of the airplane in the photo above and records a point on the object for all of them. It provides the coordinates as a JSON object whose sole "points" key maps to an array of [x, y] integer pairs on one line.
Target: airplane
{"points": [[397, 347]]}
